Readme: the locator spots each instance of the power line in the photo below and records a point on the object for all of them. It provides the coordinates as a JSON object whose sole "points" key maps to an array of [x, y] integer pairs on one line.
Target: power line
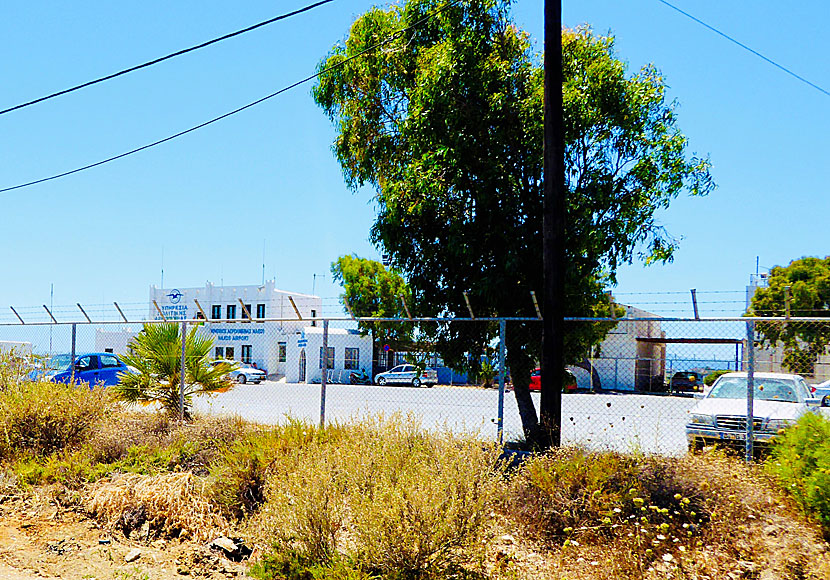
{"points": [[745, 47], [167, 57], [238, 110]]}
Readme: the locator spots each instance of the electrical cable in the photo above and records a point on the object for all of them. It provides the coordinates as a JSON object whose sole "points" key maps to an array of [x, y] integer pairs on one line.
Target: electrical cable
{"points": [[745, 47], [167, 57], [238, 110]]}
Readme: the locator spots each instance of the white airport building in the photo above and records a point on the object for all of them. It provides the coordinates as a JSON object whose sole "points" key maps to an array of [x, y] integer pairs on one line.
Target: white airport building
{"points": [[288, 344]]}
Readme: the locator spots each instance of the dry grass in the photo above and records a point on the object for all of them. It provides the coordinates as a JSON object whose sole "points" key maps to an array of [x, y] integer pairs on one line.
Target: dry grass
{"points": [[40, 418], [387, 495], [171, 503]]}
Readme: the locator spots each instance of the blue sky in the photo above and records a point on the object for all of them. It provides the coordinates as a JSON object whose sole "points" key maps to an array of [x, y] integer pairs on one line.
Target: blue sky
{"points": [[212, 200]]}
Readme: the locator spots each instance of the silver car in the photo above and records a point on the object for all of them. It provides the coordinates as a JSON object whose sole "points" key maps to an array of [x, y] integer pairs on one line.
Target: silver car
{"points": [[720, 415], [242, 372], [408, 375]]}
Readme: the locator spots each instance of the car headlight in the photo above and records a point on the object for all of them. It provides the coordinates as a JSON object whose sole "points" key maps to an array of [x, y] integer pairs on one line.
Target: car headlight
{"points": [[775, 425], [698, 419]]}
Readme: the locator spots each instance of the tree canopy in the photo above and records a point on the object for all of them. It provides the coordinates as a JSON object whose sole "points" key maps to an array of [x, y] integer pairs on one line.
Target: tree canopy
{"points": [[373, 291], [808, 280], [445, 122]]}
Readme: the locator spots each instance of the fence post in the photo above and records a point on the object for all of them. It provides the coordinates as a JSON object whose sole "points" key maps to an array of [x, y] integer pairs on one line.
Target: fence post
{"points": [[72, 355], [324, 366], [750, 388], [502, 337], [183, 369]]}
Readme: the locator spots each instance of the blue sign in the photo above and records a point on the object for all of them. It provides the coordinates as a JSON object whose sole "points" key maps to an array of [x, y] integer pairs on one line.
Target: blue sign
{"points": [[302, 343], [175, 296]]}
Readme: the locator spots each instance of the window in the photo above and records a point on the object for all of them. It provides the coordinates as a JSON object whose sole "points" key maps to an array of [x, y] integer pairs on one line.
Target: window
{"points": [[87, 363], [260, 310], [219, 352], [246, 353], [231, 312], [109, 362], [352, 360], [199, 316], [329, 357], [229, 352], [107, 350], [246, 311], [216, 311], [281, 346], [313, 315]]}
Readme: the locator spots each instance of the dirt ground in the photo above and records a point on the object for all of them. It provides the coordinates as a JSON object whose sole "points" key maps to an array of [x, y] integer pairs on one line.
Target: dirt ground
{"points": [[41, 539]]}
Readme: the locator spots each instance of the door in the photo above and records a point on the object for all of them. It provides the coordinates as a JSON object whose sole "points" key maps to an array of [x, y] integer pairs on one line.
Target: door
{"points": [[301, 378], [86, 370], [110, 367]]}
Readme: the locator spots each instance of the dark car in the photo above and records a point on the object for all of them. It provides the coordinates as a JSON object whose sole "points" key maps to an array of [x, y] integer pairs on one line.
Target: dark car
{"points": [[94, 368], [687, 381]]}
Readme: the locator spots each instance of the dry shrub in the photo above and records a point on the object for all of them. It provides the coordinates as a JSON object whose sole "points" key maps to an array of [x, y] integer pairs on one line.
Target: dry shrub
{"points": [[698, 516], [40, 418], [386, 494], [420, 502], [170, 502], [241, 469], [135, 438]]}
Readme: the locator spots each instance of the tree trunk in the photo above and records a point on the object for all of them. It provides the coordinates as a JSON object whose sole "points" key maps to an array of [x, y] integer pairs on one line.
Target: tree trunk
{"points": [[521, 364]]}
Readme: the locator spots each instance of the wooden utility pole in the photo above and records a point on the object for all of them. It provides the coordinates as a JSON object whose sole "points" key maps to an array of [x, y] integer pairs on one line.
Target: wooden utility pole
{"points": [[553, 234]]}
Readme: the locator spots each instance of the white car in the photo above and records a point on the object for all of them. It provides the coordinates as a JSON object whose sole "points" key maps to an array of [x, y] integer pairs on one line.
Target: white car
{"points": [[243, 372], [407, 375], [720, 415]]}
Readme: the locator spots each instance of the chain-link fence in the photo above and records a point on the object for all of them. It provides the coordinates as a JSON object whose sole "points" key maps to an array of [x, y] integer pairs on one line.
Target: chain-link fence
{"points": [[633, 383]]}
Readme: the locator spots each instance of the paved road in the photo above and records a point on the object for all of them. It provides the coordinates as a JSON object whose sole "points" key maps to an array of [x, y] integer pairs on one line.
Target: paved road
{"points": [[624, 422]]}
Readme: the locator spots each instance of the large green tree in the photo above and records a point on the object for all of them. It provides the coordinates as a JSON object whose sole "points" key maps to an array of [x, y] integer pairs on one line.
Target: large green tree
{"points": [[807, 280], [445, 122]]}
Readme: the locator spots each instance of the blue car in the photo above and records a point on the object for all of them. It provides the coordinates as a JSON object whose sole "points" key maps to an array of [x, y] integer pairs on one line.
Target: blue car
{"points": [[94, 368]]}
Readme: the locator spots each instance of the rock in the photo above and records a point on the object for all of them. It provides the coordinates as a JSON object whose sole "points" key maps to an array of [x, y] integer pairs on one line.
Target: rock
{"points": [[225, 543], [508, 539], [132, 555], [182, 570], [159, 544], [145, 530]]}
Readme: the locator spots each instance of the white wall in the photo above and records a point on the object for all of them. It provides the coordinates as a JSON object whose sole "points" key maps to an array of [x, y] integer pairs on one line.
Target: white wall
{"points": [[339, 339]]}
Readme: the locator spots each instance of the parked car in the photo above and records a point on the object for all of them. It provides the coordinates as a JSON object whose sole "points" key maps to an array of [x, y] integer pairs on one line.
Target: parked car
{"points": [[241, 372], [686, 381], [408, 375], [719, 417], [94, 368], [536, 381], [821, 389]]}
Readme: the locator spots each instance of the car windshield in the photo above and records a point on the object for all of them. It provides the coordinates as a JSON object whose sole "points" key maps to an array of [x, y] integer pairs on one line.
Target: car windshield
{"points": [[59, 362], [765, 389]]}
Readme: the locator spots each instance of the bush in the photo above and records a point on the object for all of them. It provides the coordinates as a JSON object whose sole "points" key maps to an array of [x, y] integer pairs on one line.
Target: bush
{"points": [[40, 418], [573, 493], [394, 499], [800, 462], [241, 468]]}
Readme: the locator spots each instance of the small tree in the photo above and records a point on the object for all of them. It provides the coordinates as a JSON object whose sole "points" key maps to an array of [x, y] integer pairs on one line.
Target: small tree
{"points": [[808, 280], [155, 353]]}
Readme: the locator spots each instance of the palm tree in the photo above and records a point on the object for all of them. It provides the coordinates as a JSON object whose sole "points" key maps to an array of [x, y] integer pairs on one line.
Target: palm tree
{"points": [[155, 354]]}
